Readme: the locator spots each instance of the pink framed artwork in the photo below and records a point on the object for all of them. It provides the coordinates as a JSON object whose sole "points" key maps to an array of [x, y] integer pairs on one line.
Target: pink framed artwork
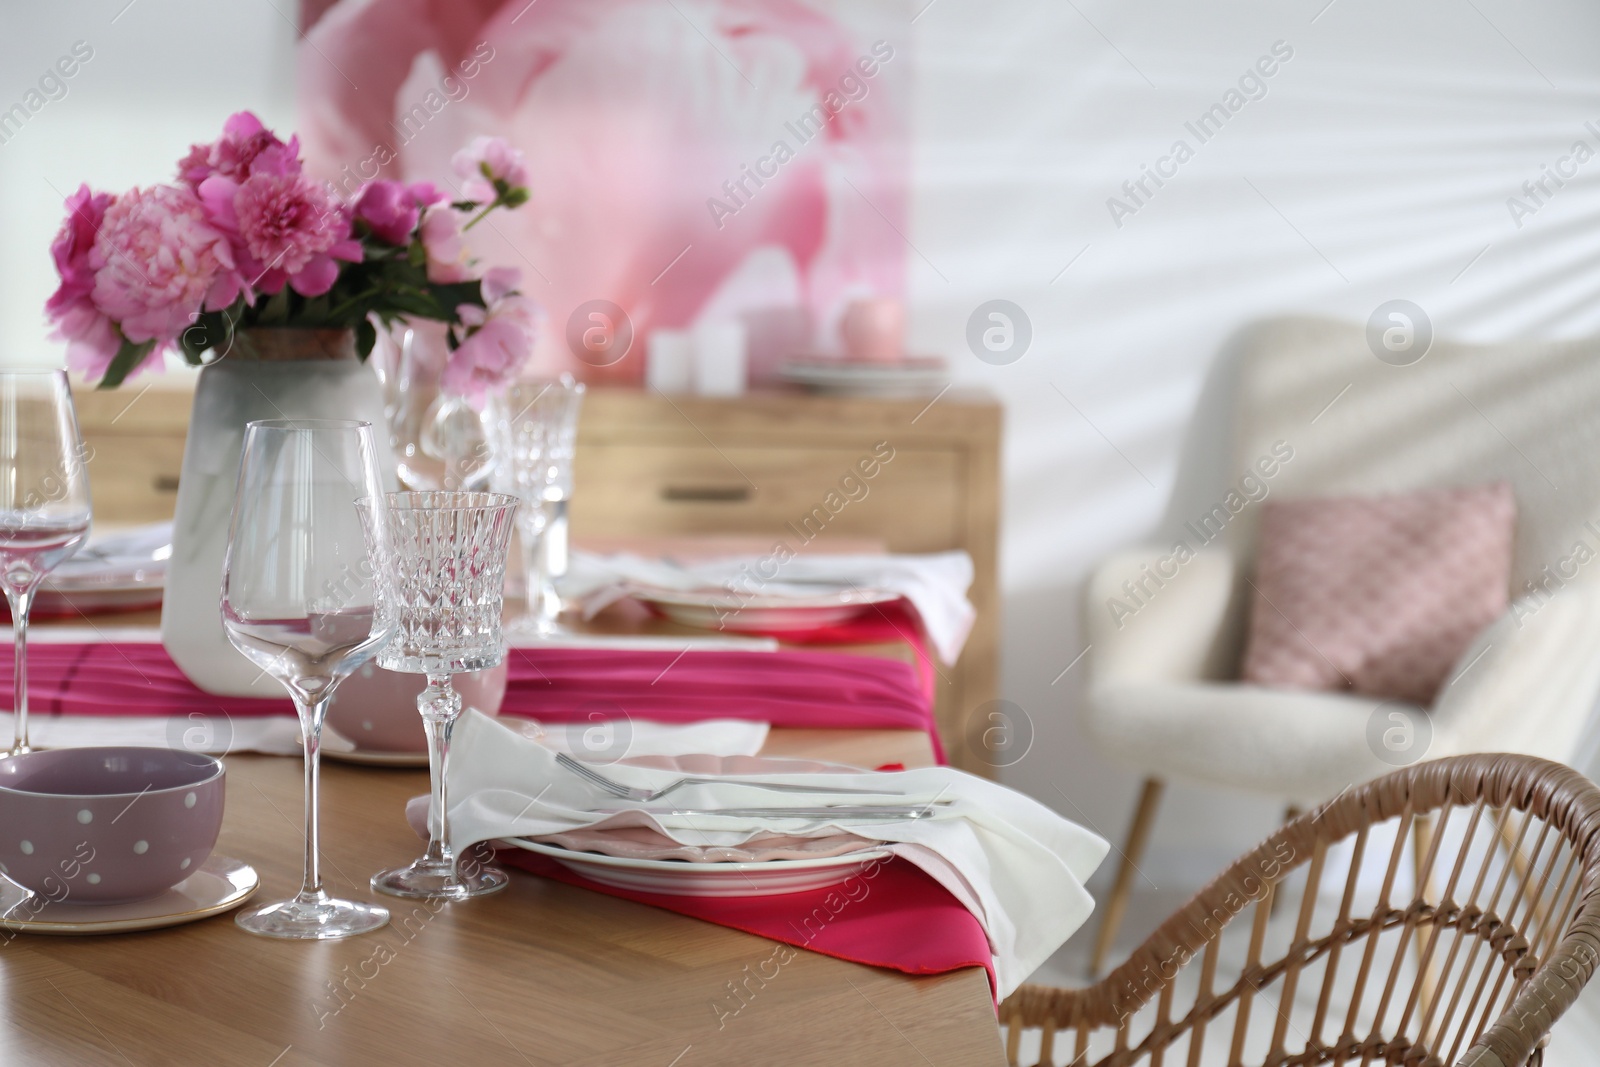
{"points": [[691, 161]]}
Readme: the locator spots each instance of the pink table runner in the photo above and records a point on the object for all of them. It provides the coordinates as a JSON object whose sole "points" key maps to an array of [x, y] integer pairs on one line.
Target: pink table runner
{"points": [[794, 688], [890, 915]]}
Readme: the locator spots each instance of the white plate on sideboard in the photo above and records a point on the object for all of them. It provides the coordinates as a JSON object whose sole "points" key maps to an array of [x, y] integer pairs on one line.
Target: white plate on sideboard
{"points": [[718, 609]]}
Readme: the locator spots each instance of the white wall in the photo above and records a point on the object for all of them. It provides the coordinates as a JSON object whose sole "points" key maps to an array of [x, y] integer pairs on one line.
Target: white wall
{"points": [[164, 74], [1381, 159]]}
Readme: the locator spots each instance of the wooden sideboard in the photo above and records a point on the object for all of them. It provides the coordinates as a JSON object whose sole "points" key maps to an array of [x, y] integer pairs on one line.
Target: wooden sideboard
{"points": [[800, 470]]}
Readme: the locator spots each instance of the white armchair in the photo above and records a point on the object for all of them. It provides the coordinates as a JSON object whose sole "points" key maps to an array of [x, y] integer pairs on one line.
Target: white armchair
{"points": [[1166, 627]]}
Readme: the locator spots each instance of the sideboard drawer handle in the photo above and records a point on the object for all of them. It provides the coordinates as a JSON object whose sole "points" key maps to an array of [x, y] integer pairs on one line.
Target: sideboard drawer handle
{"points": [[166, 483], [706, 494]]}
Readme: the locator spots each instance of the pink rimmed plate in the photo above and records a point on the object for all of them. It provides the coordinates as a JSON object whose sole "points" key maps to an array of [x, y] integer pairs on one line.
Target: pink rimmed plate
{"points": [[643, 859]]}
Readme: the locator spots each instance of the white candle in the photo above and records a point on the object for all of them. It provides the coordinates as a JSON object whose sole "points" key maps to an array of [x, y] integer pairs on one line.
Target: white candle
{"points": [[669, 364], [719, 358]]}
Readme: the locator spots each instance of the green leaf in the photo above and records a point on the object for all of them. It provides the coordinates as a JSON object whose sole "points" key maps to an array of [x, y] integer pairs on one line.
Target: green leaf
{"points": [[366, 337], [316, 309], [128, 357]]}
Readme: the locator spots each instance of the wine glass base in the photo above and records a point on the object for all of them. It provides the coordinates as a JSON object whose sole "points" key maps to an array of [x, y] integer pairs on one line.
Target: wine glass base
{"points": [[423, 881], [324, 920]]}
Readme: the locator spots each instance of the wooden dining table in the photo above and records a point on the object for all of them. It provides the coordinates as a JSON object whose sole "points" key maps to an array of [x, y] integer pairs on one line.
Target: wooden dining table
{"points": [[541, 973]]}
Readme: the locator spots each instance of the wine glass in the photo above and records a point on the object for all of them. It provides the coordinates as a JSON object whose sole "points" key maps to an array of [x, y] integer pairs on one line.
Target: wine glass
{"points": [[44, 501], [532, 431], [437, 438], [299, 599], [445, 579]]}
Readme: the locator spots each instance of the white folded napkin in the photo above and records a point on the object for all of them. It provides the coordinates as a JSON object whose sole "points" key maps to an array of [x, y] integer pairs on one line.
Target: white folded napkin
{"points": [[648, 642], [279, 735], [718, 737], [935, 584], [215, 735], [1016, 865]]}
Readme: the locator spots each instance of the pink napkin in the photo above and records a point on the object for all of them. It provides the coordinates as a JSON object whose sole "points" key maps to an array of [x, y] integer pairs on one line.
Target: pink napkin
{"points": [[794, 688], [904, 920]]}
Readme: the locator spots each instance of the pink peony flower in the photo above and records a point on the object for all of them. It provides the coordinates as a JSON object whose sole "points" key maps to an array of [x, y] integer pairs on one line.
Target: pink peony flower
{"points": [[284, 228], [92, 339], [392, 209], [245, 147], [499, 283], [442, 240], [158, 261], [498, 342], [425, 193], [485, 160]]}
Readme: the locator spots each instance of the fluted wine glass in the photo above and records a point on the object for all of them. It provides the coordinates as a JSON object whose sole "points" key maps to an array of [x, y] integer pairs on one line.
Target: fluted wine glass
{"points": [[44, 501], [532, 429], [444, 577], [299, 599]]}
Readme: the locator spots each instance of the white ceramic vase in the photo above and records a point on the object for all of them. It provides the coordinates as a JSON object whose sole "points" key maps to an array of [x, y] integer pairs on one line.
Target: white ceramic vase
{"points": [[267, 374]]}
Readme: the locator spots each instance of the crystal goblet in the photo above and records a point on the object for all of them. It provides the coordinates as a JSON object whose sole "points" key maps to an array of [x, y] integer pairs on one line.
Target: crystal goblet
{"points": [[444, 578], [532, 429]]}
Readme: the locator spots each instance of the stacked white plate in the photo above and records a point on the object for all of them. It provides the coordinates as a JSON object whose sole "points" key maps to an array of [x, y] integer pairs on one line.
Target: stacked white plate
{"points": [[910, 377], [640, 858], [124, 571]]}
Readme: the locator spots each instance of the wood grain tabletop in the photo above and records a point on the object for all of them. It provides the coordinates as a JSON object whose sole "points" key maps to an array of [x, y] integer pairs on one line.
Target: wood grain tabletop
{"points": [[541, 973]]}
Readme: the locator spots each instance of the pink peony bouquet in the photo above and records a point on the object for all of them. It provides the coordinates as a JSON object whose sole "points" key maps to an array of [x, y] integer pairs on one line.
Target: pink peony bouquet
{"points": [[245, 239]]}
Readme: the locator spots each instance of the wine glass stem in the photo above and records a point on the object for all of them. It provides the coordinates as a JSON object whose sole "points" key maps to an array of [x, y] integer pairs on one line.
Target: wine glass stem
{"points": [[440, 705], [532, 541], [311, 716], [552, 558], [21, 600]]}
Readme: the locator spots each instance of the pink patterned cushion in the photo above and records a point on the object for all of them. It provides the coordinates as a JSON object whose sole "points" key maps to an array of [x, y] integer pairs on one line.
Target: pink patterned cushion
{"points": [[1377, 595]]}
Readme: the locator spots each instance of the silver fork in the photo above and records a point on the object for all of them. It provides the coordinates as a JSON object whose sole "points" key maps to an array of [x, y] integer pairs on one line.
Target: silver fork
{"points": [[627, 792], [851, 812]]}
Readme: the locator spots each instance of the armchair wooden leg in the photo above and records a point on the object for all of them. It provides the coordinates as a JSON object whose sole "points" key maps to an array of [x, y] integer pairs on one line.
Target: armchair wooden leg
{"points": [[1144, 816]]}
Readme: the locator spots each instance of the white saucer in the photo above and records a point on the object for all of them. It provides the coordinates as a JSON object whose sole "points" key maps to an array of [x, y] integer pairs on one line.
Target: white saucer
{"points": [[765, 878], [220, 885]]}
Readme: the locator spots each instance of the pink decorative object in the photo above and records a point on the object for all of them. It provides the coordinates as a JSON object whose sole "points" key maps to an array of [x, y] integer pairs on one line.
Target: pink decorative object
{"points": [[874, 330], [1377, 595], [244, 239], [376, 710]]}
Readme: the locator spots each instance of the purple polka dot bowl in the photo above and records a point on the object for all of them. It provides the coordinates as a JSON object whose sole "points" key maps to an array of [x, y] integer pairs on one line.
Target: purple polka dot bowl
{"points": [[107, 825]]}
